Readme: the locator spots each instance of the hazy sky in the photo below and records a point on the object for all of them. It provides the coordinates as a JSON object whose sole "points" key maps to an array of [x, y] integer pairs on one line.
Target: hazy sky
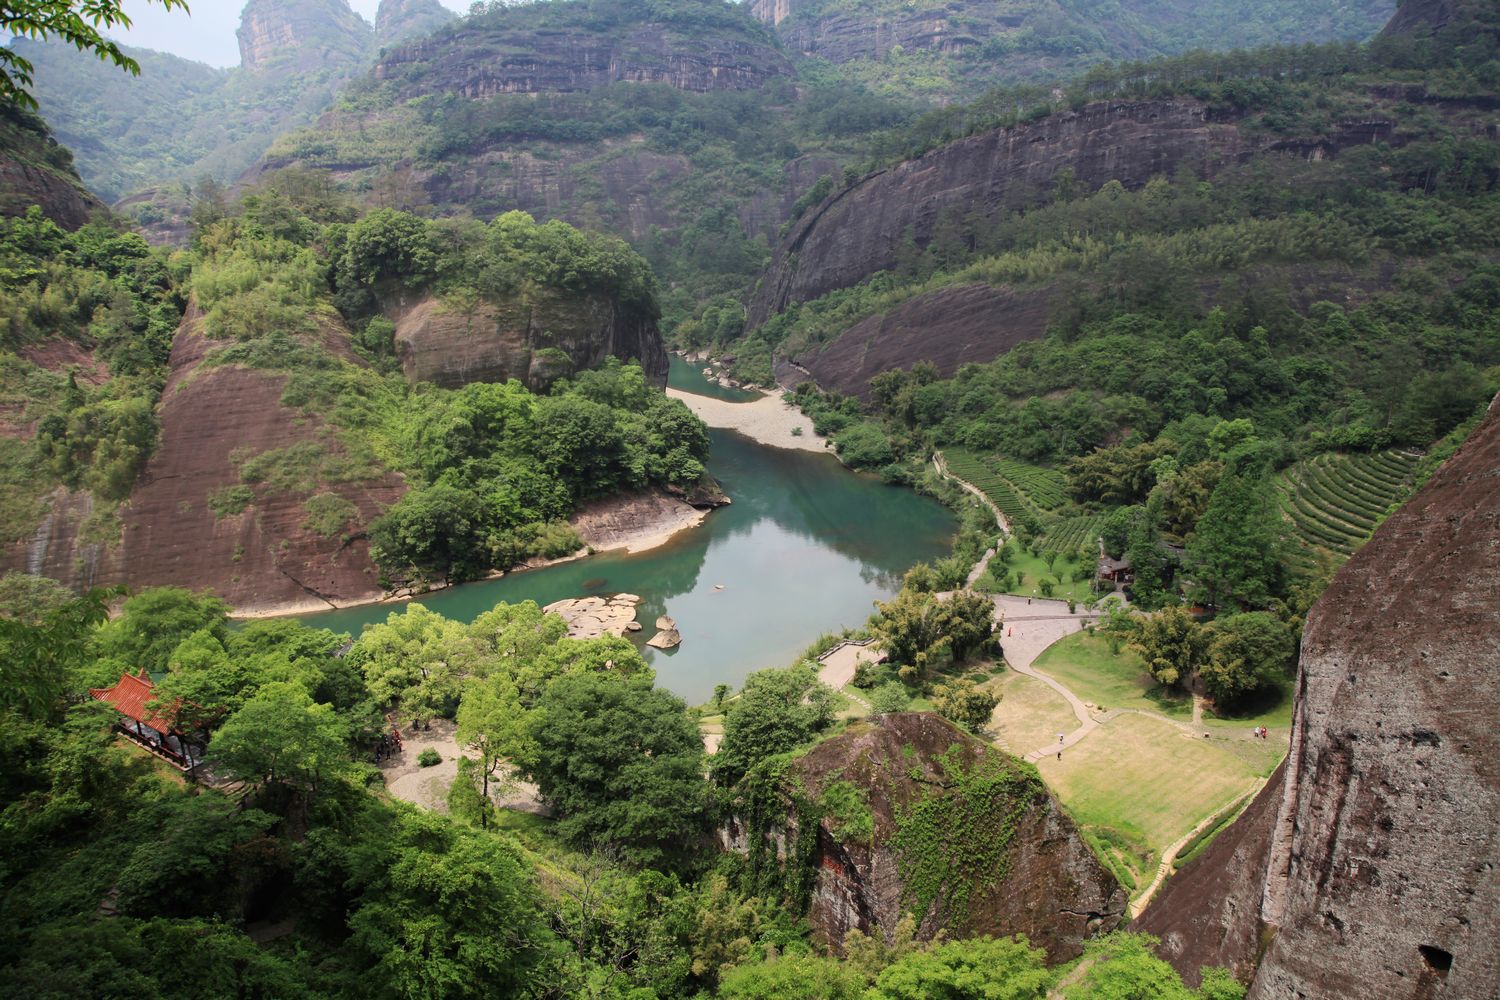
{"points": [[207, 35]]}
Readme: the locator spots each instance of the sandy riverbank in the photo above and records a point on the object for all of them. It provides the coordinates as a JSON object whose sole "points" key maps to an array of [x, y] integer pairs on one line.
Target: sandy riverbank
{"points": [[767, 420], [635, 523]]}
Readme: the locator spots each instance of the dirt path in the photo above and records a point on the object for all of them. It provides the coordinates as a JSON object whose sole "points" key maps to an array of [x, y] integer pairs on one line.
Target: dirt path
{"points": [[1164, 869], [941, 464]]}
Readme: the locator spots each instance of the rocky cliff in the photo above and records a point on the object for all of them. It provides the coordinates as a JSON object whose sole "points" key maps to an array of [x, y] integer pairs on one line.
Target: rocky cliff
{"points": [[268, 554], [399, 20], [1384, 876], [858, 230], [1376, 876], [36, 170], [535, 338], [296, 36], [919, 816], [504, 55]]}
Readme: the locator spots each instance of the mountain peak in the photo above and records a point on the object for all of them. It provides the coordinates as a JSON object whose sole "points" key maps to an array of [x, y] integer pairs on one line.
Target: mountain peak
{"points": [[299, 35], [398, 20]]}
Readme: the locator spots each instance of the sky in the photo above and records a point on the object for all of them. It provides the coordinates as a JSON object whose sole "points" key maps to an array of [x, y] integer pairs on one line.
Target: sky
{"points": [[208, 34]]}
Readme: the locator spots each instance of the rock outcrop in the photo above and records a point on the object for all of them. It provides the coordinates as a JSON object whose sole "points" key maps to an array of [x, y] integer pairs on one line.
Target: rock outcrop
{"points": [[1377, 875], [950, 327], [859, 229], [295, 36], [400, 20], [1384, 876], [499, 56], [36, 170], [1009, 861], [266, 556], [536, 338]]}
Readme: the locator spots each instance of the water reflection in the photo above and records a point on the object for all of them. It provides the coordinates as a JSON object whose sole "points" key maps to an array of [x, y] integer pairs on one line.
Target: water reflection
{"points": [[807, 547]]}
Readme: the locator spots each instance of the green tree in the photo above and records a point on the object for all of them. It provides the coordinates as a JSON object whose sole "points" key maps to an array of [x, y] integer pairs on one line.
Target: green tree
{"points": [[281, 737], [777, 711], [963, 703], [80, 23], [621, 764], [154, 622], [1172, 643], [40, 657], [492, 723], [1234, 556], [889, 697], [977, 969], [452, 913], [1246, 652], [922, 632], [416, 659], [438, 531], [793, 977]]}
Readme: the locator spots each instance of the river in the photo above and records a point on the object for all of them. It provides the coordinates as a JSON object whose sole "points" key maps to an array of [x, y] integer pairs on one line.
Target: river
{"points": [[805, 548]]}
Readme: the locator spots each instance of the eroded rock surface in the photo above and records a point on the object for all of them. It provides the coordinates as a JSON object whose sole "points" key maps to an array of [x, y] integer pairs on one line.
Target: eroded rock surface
{"points": [[299, 35], [536, 338], [592, 617], [1042, 881]]}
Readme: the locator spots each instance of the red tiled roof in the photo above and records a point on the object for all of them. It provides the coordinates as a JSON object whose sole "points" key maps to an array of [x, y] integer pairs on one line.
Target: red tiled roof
{"points": [[129, 698]]}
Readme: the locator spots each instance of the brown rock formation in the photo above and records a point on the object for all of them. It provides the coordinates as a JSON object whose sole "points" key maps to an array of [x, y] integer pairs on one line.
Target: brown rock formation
{"points": [[1378, 878], [1384, 878], [536, 338], [295, 36], [1052, 888], [951, 327], [266, 557], [36, 170], [858, 230]]}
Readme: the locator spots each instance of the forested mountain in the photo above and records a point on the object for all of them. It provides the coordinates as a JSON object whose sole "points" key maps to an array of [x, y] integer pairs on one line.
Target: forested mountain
{"points": [[180, 121]]}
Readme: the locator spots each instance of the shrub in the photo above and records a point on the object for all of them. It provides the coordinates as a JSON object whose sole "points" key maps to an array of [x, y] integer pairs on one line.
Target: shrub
{"points": [[429, 757]]}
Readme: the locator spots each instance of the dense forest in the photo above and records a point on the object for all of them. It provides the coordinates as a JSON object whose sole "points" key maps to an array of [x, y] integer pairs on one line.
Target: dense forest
{"points": [[302, 880]]}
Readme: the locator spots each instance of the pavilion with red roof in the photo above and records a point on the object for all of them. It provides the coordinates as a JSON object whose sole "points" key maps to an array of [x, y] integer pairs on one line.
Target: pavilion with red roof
{"points": [[143, 725]]}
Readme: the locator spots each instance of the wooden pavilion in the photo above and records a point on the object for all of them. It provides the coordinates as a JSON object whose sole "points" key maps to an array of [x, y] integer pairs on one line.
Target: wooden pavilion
{"points": [[145, 726]]}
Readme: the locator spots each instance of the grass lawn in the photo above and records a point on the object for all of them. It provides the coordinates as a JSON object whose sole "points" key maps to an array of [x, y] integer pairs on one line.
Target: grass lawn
{"points": [[1146, 778], [1034, 570], [1030, 714], [1085, 665]]}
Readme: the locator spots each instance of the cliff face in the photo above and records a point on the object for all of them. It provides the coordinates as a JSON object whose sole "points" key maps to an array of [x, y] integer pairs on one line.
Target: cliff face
{"points": [[484, 60], [398, 20], [536, 340], [296, 36], [858, 230], [266, 556], [1382, 879], [1369, 862], [1038, 878], [36, 170]]}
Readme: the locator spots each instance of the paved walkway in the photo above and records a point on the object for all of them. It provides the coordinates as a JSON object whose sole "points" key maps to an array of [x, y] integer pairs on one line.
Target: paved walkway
{"points": [[1029, 626], [839, 664]]}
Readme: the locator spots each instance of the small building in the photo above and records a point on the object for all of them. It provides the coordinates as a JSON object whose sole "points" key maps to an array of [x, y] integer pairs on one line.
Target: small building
{"points": [[1116, 572], [145, 727]]}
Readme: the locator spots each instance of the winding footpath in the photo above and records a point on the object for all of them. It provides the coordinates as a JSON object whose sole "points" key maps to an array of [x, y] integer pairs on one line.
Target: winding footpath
{"points": [[941, 464]]}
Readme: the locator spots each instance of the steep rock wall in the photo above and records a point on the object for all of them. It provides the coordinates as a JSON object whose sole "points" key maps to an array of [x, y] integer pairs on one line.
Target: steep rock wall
{"points": [[949, 328], [482, 61], [36, 170], [1384, 876], [858, 230], [536, 339], [295, 36], [1053, 888], [267, 556]]}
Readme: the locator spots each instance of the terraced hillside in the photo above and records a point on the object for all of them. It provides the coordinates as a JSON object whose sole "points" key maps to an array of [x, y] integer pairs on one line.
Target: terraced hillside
{"points": [[1022, 492], [1334, 501], [1072, 534]]}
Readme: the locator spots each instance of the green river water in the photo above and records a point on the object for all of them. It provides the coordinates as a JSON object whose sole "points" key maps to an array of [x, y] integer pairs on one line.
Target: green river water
{"points": [[805, 548]]}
